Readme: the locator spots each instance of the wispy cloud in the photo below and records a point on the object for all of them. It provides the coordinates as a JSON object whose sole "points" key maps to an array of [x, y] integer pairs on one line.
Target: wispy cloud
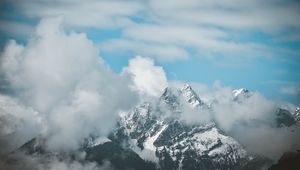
{"points": [[16, 29], [91, 13], [291, 90], [168, 31]]}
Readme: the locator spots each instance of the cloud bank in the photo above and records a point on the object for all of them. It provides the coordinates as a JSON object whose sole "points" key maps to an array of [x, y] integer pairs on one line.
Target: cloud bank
{"points": [[60, 76]]}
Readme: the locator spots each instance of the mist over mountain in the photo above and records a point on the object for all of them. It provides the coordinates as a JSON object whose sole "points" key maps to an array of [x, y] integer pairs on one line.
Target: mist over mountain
{"points": [[62, 107]]}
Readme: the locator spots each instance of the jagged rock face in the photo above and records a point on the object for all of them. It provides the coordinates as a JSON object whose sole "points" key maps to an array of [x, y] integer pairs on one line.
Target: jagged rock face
{"points": [[176, 144], [297, 114], [191, 97], [170, 96], [284, 118]]}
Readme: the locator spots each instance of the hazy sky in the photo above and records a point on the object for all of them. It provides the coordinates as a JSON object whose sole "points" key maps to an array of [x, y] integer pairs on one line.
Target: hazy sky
{"points": [[252, 43]]}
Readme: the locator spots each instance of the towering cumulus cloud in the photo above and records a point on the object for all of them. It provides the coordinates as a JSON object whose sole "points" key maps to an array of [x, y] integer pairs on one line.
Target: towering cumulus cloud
{"points": [[148, 78], [61, 77]]}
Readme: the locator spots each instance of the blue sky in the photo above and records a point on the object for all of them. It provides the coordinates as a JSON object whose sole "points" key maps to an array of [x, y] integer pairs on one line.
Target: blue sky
{"points": [[254, 44]]}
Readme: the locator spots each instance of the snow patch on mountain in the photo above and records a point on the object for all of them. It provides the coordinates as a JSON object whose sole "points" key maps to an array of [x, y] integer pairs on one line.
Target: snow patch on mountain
{"points": [[98, 141], [148, 153], [297, 114], [149, 142]]}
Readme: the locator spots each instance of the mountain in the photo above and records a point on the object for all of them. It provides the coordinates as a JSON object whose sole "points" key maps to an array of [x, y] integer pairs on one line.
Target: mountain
{"points": [[153, 135], [156, 129]]}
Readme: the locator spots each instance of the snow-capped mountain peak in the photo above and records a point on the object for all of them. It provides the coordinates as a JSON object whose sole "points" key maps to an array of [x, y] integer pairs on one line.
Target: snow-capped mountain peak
{"points": [[190, 96], [168, 136], [186, 87], [239, 92], [98, 141], [175, 96]]}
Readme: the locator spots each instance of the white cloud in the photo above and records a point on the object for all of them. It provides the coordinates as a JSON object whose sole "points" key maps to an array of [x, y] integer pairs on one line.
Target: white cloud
{"points": [[18, 124], [16, 29], [91, 13], [62, 77], [250, 120], [225, 111], [56, 164], [230, 14], [291, 90], [252, 109], [169, 42], [162, 52], [148, 78], [53, 162], [268, 141], [210, 28], [168, 31]]}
